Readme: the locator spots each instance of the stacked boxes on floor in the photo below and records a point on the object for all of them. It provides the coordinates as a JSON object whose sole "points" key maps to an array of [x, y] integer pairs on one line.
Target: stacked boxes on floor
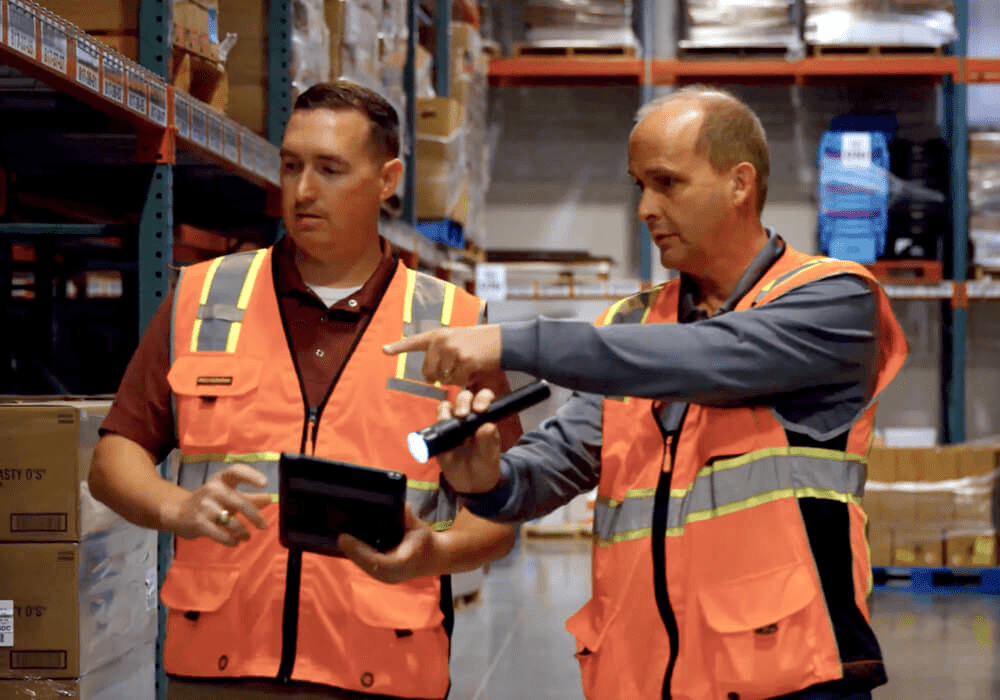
{"points": [[853, 194], [442, 181], [896, 23], [984, 199], [932, 506], [78, 584]]}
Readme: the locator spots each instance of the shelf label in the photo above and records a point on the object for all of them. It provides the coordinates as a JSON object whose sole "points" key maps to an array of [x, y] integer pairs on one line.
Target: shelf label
{"points": [[198, 127], [113, 78], [54, 46], [88, 64], [246, 151], [182, 116], [22, 35], [6, 623], [138, 91], [232, 142], [158, 103], [856, 149], [491, 282], [215, 133]]}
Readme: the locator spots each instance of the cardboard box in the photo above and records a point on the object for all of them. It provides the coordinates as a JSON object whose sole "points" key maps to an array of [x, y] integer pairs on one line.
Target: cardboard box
{"points": [[248, 105], [44, 467], [113, 16], [132, 676], [880, 544], [970, 550], [247, 61], [882, 465], [125, 44], [439, 116], [914, 546], [442, 198], [78, 606]]}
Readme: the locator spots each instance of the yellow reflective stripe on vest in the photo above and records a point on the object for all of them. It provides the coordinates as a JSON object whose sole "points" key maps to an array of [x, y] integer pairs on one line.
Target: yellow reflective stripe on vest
{"points": [[428, 305], [428, 501], [732, 485], [223, 301]]}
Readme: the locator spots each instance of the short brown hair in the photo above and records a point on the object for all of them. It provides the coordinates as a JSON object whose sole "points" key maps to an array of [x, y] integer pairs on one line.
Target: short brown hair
{"points": [[731, 133], [344, 94]]}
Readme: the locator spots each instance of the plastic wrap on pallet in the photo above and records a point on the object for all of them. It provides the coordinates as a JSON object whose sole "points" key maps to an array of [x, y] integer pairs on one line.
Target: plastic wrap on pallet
{"points": [[310, 44], [984, 173], [739, 23], [579, 22], [871, 23]]}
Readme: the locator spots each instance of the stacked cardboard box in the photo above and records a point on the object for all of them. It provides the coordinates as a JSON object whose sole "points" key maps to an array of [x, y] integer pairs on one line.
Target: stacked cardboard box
{"points": [[585, 23], [440, 161], [984, 199], [742, 23], [247, 61], [919, 23], [78, 599], [932, 506]]}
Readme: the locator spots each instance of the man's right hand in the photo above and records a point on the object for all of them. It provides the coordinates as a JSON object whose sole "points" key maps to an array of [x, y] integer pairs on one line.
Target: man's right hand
{"points": [[198, 515], [473, 466]]}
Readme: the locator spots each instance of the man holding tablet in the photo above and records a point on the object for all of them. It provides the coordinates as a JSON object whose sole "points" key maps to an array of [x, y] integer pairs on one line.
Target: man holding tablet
{"points": [[277, 351]]}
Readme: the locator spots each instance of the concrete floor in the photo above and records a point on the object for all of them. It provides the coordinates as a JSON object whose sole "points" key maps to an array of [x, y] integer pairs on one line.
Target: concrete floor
{"points": [[512, 644]]}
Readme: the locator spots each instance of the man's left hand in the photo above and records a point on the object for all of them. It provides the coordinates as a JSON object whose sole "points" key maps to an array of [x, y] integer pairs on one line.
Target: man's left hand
{"points": [[454, 355], [415, 556]]}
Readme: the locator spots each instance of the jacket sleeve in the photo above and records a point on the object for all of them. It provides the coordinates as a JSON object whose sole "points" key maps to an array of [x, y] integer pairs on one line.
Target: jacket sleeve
{"points": [[549, 466], [821, 335]]}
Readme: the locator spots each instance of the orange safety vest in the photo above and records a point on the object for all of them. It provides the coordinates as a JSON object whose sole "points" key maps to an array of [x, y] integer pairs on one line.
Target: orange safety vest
{"points": [[234, 612], [708, 532]]}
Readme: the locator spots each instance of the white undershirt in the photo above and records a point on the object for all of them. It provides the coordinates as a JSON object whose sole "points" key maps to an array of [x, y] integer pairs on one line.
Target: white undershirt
{"points": [[331, 295]]}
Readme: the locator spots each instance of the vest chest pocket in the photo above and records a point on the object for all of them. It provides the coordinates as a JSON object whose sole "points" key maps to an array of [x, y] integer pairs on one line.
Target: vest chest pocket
{"points": [[214, 393], [763, 634]]}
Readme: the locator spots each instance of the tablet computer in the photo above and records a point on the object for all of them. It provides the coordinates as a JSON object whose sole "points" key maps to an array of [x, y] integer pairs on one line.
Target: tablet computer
{"points": [[321, 498]]}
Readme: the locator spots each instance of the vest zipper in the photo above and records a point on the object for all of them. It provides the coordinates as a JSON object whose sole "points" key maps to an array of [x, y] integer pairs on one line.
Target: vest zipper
{"points": [[310, 431], [661, 504]]}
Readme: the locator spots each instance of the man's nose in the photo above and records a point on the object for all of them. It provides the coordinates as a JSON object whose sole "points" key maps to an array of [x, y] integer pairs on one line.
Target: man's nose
{"points": [[305, 186]]}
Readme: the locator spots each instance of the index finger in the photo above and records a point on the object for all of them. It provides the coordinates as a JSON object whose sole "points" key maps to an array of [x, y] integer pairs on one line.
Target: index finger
{"points": [[415, 343], [242, 474]]}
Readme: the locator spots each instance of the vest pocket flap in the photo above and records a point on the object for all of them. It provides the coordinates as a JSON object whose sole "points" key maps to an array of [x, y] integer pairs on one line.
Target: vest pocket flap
{"points": [[214, 374], [756, 602], [198, 588], [411, 606]]}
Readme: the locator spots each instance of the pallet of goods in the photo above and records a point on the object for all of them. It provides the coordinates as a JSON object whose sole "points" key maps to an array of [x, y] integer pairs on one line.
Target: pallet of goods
{"points": [[728, 29], [880, 27], [578, 28]]}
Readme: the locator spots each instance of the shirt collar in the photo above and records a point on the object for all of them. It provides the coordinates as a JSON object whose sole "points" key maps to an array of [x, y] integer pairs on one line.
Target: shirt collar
{"points": [[687, 310], [288, 279]]}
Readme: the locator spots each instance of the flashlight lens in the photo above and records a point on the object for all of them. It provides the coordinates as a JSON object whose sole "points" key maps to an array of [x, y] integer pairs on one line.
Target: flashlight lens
{"points": [[418, 447]]}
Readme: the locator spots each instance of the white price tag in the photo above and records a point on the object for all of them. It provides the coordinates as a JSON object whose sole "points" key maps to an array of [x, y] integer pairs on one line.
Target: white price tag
{"points": [[856, 150], [198, 126], [6, 623], [54, 47], [182, 116], [491, 282], [21, 28], [88, 64], [215, 133], [232, 142], [138, 91], [113, 79], [158, 103]]}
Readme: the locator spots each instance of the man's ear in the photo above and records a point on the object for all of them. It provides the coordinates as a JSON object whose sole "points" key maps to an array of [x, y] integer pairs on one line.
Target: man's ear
{"points": [[392, 171], [744, 184]]}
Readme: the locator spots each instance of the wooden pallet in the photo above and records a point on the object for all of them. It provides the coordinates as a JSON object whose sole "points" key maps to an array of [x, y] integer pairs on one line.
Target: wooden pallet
{"points": [[547, 50], [866, 51], [730, 53], [908, 271]]}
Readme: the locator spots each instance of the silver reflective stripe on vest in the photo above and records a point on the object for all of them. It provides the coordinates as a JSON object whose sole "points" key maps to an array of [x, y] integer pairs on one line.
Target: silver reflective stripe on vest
{"points": [[427, 500], [220, 309], [788, 275], [732, 485], [428, 307]]}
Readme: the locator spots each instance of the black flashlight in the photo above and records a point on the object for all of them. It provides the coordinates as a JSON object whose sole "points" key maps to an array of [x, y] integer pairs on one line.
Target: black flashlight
{"points": [[450, 433]]}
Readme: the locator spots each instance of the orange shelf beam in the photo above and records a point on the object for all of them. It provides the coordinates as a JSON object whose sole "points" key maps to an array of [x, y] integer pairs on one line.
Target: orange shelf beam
{"points": [[667, 71], [982, 70], [528, 70]]}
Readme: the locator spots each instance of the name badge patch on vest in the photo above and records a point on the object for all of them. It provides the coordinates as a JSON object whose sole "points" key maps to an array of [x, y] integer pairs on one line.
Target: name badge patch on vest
{"points": [[215, 381]]}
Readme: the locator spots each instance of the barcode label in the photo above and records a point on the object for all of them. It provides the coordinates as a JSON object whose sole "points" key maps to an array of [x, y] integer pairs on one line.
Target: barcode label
{"points": [[215, 133], [39, 522], [856, 150], [158, 104], [21, 23], [182, 116], [54, 46], [6, 623], [198, 126], [88, 65], [232, 143], [137, 92], [114, 79]]}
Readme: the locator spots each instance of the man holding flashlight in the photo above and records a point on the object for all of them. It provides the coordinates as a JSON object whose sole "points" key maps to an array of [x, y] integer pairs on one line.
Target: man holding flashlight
{"points": [[725, 419], [279, 350]]}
